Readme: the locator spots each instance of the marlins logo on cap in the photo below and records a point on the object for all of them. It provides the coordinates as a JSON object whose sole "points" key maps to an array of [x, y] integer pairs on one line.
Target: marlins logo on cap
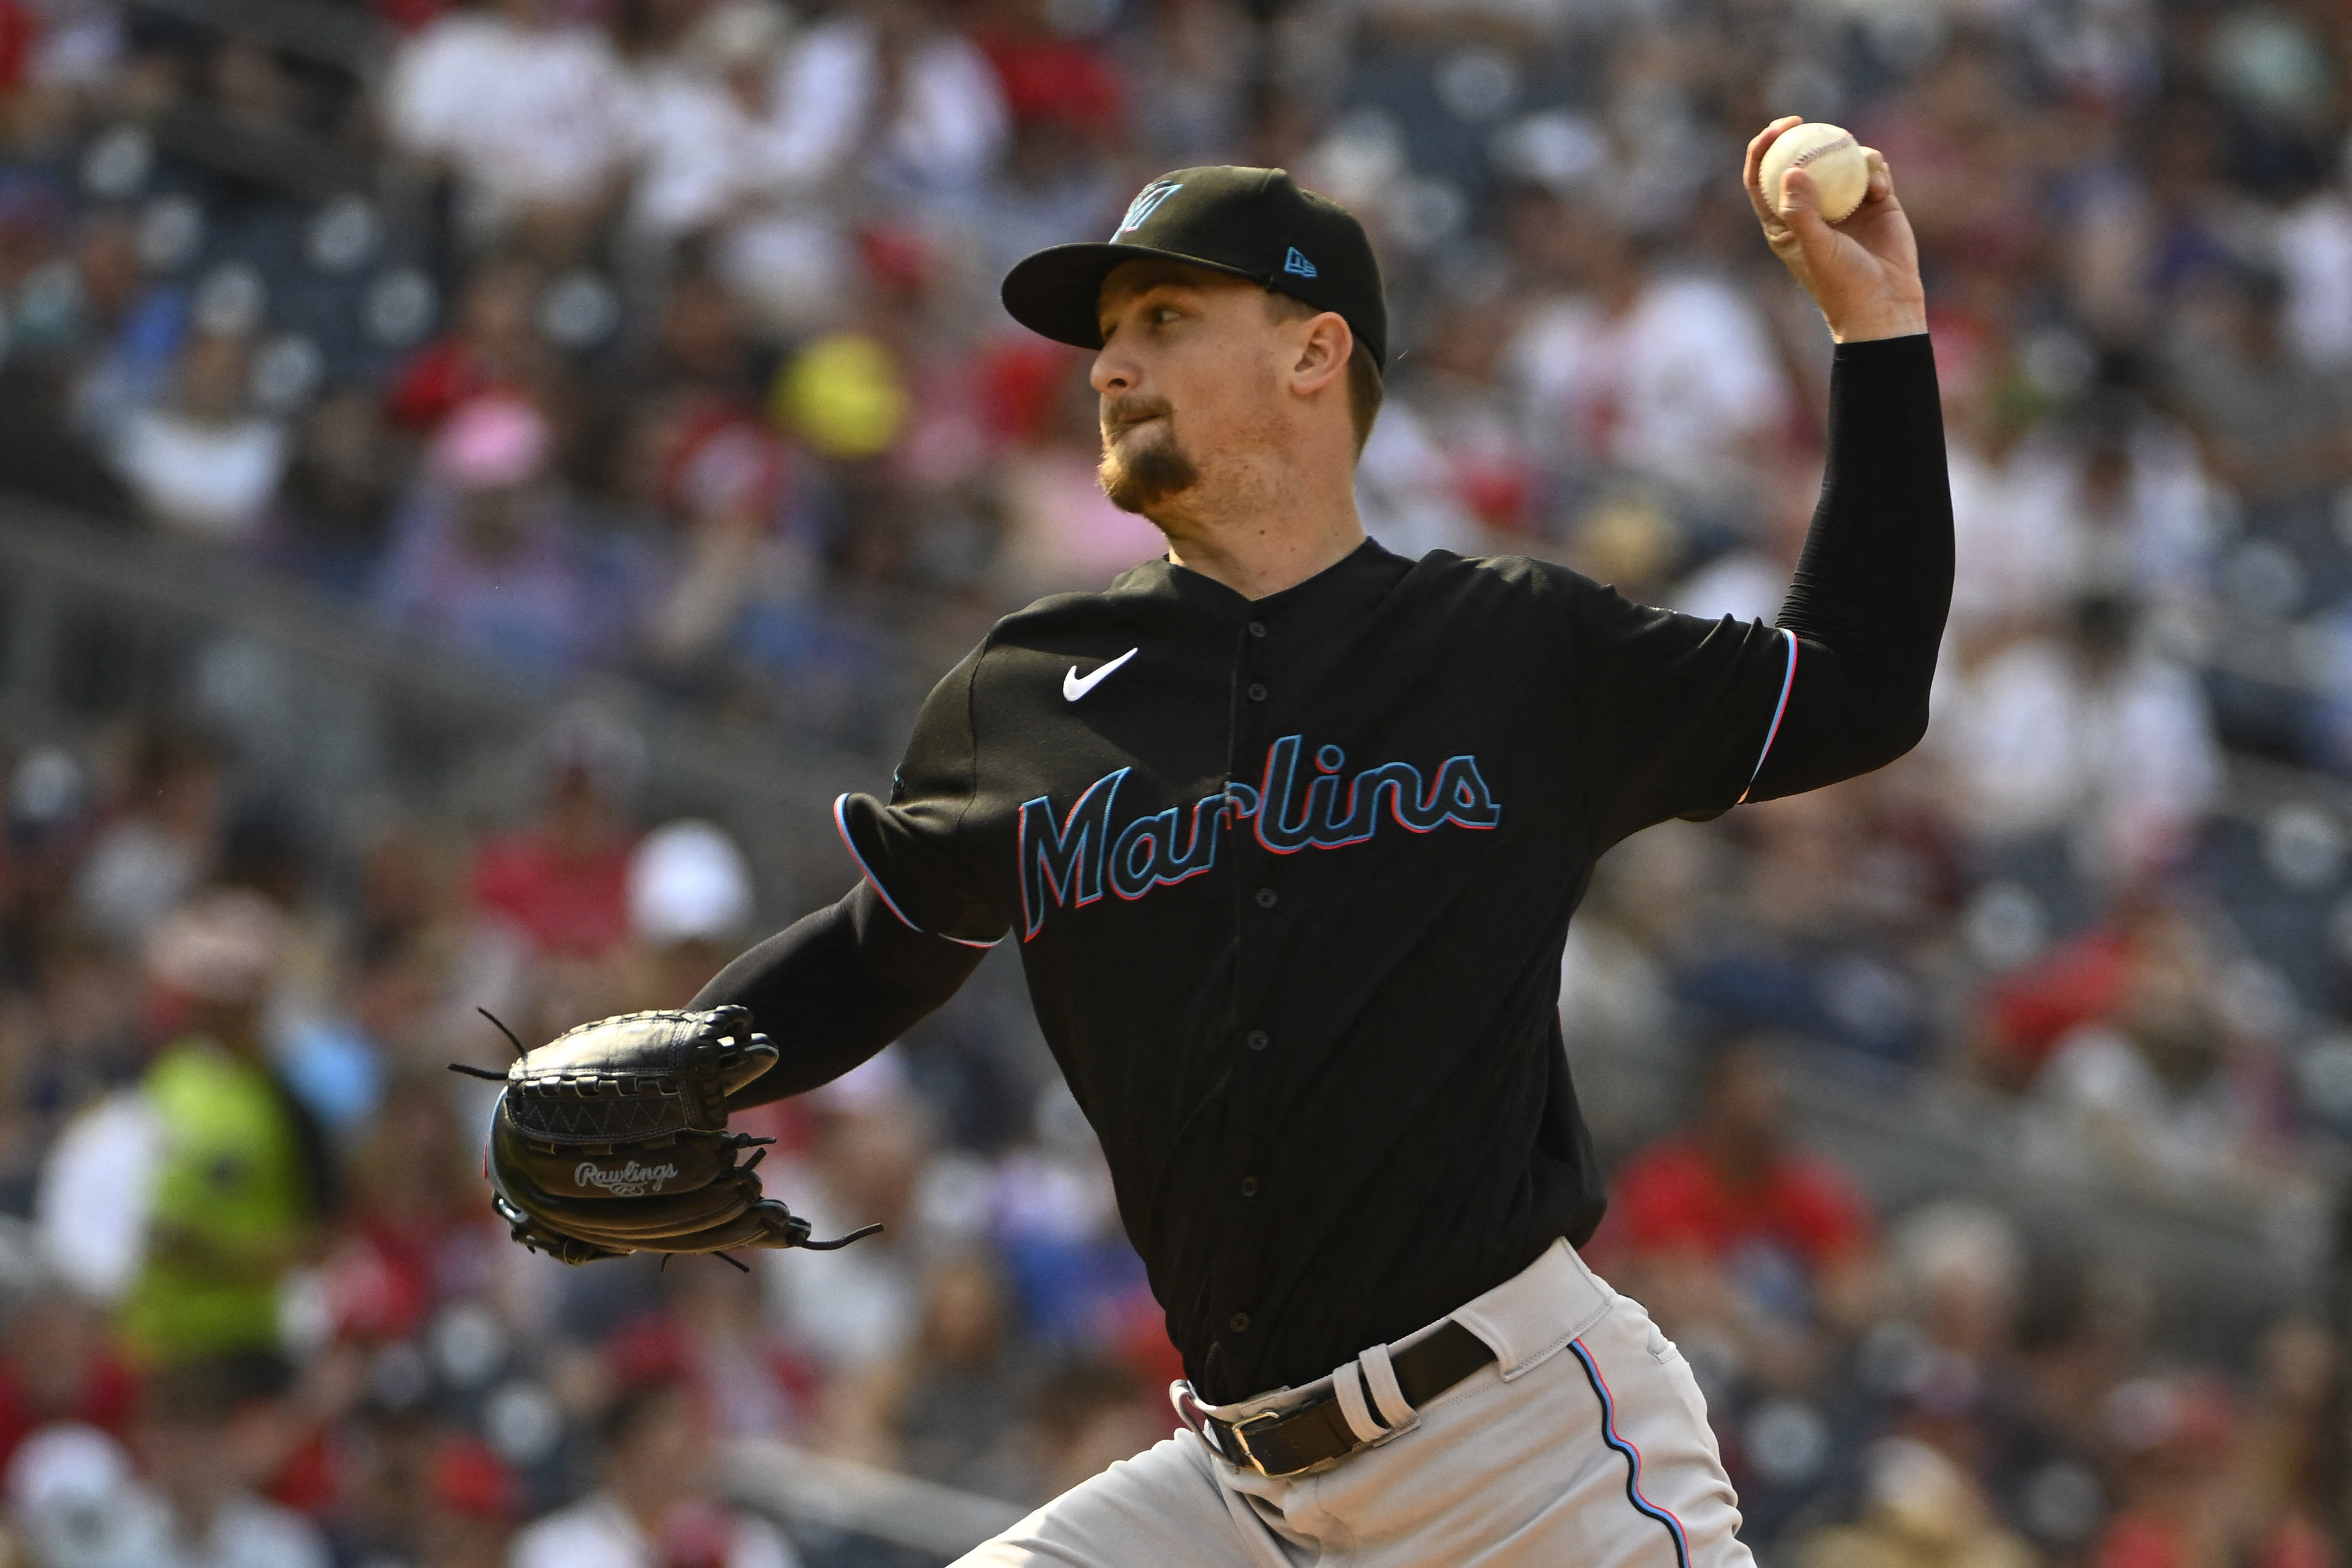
{"points": [[1247, 223], [1147, 201]]}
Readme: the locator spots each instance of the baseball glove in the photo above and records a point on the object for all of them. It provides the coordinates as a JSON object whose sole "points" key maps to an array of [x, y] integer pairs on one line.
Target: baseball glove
{"points": [[612, 1138]]}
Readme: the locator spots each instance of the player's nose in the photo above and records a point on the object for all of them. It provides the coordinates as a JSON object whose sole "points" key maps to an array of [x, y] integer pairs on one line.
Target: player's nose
{"points": [[1114, 371]]}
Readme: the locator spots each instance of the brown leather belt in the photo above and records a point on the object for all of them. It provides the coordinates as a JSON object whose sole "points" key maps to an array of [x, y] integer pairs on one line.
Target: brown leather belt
{"points": [[1286, 1442]]}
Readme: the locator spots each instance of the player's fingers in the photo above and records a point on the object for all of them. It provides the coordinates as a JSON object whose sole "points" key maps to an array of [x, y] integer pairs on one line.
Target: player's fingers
{"points": [[1801, 209], [1882, 177], [1761, 142], [1751, 172]]}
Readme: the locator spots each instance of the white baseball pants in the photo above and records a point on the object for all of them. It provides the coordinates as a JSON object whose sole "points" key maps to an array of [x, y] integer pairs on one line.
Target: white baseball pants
{"points": [[1585, 1445]]}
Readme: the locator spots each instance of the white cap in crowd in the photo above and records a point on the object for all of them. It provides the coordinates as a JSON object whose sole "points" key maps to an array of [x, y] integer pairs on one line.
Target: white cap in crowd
{"points": [[222, 946], [687, 882]]}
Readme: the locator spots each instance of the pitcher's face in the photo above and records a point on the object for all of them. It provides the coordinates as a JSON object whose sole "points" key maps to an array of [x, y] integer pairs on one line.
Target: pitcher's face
{"points": [[1187, 374]]}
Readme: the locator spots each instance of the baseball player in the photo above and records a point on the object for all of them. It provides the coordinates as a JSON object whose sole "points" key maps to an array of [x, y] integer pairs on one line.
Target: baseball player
{"points": [[1287, 831]]}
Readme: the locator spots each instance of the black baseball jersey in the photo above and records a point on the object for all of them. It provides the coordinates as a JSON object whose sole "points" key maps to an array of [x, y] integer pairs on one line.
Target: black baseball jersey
{"points": [[1290, 879]]}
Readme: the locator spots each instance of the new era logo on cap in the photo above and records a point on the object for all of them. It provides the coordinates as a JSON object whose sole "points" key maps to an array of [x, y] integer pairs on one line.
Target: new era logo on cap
{"points": [[1147, 201], [1298, 264]]}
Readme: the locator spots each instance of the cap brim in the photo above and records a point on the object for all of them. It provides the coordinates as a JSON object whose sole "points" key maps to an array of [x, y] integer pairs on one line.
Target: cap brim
{"points": [[1057, 292]]}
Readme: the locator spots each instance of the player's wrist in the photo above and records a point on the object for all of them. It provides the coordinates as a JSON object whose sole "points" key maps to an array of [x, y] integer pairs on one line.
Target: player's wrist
{"points": [[1906, 319]]}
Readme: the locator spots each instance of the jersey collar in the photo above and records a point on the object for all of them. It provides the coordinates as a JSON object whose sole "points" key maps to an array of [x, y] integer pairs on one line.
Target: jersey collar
{"points": [[1163, 576]]}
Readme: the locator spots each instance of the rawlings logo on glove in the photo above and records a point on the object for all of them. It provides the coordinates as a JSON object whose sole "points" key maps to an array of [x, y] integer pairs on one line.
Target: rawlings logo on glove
{"points": [[631, 1180], [612, 1138]]}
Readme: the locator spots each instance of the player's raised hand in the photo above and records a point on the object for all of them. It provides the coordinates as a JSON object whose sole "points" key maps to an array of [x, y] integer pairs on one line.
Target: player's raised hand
{"points": [[1865, 272]]}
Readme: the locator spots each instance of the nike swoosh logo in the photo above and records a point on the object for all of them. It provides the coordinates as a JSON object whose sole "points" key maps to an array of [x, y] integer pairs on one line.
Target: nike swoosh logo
{"points": [[1073, 688]]}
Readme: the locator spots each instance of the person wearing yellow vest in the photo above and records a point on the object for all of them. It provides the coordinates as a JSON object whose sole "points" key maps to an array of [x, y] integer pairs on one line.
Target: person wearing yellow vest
{"points": [[236, 1192]]}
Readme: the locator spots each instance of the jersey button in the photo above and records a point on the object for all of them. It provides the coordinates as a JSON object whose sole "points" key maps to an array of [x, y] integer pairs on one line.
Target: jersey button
{"points": [[1257, 628], [1258, 691], [1265, 899], [1238, 1323], [1258, 1039], [1249, 1187]]}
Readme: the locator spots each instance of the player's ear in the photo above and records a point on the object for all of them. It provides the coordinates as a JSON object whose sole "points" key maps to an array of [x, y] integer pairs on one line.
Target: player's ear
{"points": [[1323, 353]]}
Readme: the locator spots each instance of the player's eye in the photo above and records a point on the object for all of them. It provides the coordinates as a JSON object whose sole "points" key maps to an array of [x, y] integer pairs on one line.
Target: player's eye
{"points": [[1163, 314]]}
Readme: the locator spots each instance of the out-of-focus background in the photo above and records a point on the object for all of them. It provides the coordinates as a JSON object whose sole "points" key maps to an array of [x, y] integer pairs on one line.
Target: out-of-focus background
{"points": [[475, 481]]}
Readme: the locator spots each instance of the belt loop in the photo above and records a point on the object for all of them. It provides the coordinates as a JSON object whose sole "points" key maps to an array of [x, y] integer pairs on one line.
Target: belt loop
{"points": [[1382, 1378], [1189, 1411], [1347, 1388]]}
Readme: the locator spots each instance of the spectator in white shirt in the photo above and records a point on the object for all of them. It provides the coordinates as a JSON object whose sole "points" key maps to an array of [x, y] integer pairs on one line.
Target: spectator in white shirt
{"points": [[721, 155], [2091, 741], [2113, 501], [883, 91], [763, 143], [528, 112], [2014, 522], [210, 1432], [203, 463], [75, 1500], [654, 1507], [2157, 1090], [2315, 256], [710, 123], [1670, 378]]}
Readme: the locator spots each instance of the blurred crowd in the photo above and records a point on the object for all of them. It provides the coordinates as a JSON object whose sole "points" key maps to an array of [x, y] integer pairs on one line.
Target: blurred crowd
{"points": [[656, 340], [255, 1310]]}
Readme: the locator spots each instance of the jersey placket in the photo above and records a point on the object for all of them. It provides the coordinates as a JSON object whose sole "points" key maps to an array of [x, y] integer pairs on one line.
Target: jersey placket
{"points": [[1257, 908]]}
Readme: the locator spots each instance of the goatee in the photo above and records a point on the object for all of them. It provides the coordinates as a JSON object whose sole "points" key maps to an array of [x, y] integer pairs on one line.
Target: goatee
{"points": [[1145, 469]]}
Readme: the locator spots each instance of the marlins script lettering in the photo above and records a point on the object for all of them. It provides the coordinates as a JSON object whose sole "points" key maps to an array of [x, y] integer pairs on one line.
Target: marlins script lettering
{"points": [[1072, 861]]}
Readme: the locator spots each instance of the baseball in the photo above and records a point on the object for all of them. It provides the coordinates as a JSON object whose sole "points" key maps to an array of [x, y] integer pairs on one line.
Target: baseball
{"points": [[1830, 156]]}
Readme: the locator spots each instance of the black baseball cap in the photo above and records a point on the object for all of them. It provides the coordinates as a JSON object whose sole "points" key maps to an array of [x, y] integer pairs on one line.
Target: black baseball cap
{"points": [[1251, 222]]}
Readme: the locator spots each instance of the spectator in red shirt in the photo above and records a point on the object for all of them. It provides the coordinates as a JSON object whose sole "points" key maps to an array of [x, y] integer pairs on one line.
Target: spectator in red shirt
{"points": [[562, 881], [2024, 1014], [476, 1501], [419, 1231], [1724, 1227], [58, 1363], [20, 30], [494, 347], [2180, 1508], [711, 1336], [1065, 84]]}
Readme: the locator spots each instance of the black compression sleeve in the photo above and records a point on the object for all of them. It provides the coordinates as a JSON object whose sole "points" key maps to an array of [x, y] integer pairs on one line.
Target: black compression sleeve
{"points": [[835, 987], [1875, 579]]}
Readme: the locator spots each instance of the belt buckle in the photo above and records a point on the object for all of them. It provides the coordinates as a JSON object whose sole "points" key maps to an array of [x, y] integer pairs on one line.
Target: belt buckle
{"points": [[1240, 1430]]}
